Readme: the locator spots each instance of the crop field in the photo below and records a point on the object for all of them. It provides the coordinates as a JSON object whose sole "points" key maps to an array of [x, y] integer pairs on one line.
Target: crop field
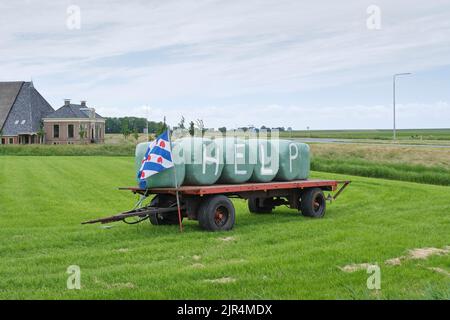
{"points": [[118, 138], [400, 226], [402, 134], [423, 164]]}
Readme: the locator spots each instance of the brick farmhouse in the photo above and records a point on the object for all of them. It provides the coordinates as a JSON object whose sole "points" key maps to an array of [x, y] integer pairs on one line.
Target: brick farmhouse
{"points": [[27, 118]]}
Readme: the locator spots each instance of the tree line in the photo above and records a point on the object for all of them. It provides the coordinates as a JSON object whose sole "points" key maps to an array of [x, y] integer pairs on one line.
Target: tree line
{"points": [[133, 126], [129, 125]]}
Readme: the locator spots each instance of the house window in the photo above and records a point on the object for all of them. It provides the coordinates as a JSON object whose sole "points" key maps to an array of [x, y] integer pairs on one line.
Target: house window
{"points": [[70, 130], [56, 131], [3, 141], [11, 140]]}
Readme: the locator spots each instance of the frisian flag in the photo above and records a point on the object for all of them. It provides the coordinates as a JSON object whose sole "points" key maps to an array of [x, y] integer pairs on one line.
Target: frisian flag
{"points": [[158, 158]]}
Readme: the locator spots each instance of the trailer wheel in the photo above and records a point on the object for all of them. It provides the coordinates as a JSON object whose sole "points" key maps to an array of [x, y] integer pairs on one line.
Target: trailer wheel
{"points": [[256, 205], [216, 213], [312, 203], [164, 201]]}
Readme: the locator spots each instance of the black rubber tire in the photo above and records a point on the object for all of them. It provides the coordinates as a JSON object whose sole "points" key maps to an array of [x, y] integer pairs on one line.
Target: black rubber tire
{"points": [[164, 201], [254, 207], [216, 213], [313, 203]]}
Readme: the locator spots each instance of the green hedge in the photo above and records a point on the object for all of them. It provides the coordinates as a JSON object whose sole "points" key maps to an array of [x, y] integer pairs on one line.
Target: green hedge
{"points": [[68, 150]]}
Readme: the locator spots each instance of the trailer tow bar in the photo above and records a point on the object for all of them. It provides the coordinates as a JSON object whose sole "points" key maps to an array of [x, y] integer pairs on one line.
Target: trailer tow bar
{"points": [[143, 213], [334, 197]]}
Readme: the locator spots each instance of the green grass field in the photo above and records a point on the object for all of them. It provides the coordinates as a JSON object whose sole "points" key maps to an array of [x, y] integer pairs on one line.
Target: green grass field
{"points": [[279, 256], [402, 134]]}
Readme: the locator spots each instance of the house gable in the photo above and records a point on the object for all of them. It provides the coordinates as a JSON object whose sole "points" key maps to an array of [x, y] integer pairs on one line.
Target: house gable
{"points": [[8, 95], [27, 112]]}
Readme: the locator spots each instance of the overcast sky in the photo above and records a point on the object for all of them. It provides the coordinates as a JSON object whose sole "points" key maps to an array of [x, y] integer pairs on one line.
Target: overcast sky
{"points": [[295, 63]]}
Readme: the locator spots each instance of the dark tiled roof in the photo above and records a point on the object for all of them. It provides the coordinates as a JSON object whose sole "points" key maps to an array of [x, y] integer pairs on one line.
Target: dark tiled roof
{"points": [[27, 111], [8, 94], [71, 111]]}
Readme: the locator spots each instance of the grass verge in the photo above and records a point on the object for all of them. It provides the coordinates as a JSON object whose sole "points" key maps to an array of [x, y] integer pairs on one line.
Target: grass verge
{"points": [[68, 150], [423, 165], [402, 134], [402, 172]]}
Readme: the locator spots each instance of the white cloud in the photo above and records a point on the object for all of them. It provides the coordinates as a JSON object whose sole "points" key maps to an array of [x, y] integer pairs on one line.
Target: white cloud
{"points": [[210, 49]]}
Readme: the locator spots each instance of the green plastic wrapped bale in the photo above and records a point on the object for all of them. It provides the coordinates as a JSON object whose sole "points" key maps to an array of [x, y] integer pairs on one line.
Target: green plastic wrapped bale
{"points": [[267, 161], [238, 167], [291, 161], [166, 178], [305, 156], [203, 161]]}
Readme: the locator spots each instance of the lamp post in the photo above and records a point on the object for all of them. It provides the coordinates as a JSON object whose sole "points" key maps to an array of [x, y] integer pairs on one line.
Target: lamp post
{"points": [[146, 120], [394, 78]]}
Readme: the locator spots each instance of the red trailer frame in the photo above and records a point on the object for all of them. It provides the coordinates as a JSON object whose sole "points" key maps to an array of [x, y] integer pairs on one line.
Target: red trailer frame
{"points": [[210, 205], [330, 185]]}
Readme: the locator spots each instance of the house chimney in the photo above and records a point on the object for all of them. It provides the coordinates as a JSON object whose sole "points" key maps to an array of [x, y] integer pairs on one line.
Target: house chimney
{"points": [[83, 103], [66, 102]]}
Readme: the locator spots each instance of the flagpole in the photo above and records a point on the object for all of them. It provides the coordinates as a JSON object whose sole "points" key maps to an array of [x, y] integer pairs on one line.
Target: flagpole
{"points": [[176, 183]]}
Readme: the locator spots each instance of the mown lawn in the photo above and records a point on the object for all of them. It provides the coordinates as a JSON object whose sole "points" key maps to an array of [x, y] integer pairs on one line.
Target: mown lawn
{"points": [[279, 256]]}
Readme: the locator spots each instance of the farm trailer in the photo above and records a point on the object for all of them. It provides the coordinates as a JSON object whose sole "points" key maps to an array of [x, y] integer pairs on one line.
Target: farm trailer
{"points": [[212, 207]]}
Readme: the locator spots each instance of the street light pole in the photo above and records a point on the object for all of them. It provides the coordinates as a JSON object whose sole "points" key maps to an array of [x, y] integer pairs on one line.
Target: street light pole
{"points": [[148, 116], [393, 98]]}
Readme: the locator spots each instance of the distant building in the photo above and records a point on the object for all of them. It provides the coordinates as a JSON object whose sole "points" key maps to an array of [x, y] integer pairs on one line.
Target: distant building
{"points": [[27, 118], [74, 124], [21, 109]]}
